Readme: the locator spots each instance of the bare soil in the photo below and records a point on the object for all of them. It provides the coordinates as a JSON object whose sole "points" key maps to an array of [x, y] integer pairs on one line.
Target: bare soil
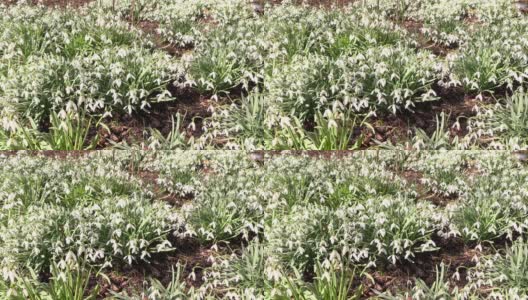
{"points": [[134, 279], [400, 277]]}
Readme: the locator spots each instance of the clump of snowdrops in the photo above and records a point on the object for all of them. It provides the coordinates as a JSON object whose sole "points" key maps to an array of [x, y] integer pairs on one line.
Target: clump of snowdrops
{"points": [[55, 210], [68, 62], [294, 215]]}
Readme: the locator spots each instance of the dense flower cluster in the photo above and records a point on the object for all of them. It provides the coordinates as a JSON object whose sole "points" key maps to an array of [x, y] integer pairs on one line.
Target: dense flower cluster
{"points": [[55, 61], [51, 210], [363, 209], [288, 76], [294, 215]]}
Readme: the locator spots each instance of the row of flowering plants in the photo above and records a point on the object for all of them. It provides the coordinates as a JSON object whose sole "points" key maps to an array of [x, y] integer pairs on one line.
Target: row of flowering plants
{"points": [[272, 224], [314, 77]]}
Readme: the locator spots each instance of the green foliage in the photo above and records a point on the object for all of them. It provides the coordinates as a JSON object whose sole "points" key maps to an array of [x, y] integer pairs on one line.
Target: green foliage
{"points": [[69, 132], [214, 216], [310, 228], [333, 130], [443, 174], [284, 68], [382, 78], [175, 289], [55, 61], [503, 125], [335, 282], [440, 139], [486, 214], [244, 124], [494, 57], [175, 139], [68, 282], [481, 69], [52, 210], [375, 230], [505, 272], [439, 289]]}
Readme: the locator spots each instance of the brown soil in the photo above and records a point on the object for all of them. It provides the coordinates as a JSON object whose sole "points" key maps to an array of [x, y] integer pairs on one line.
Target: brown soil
{"points": [[415, 28], [160, 194], [193, 257], [414, 177], [402, 276], [399, 127], [151, 28], [134, 128]]}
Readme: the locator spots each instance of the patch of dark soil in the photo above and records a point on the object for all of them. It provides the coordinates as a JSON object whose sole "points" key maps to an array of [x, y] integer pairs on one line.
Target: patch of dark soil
{"points": [[412, 176], [453, 103], [148, 177], [135, 128], [130, 282], [396, 128], [131, 279], [151, 27], [522, 6], [424, 193], [193, 263], [122, 128], [175, 200], [160, 193], [438, 199], [393, 129], [439, 49], [400, 277], [414, 27]]}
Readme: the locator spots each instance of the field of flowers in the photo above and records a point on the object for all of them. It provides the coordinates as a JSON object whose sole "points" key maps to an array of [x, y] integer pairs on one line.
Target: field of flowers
{"points": [[223, 74], [395, 78], [237, 225]]}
